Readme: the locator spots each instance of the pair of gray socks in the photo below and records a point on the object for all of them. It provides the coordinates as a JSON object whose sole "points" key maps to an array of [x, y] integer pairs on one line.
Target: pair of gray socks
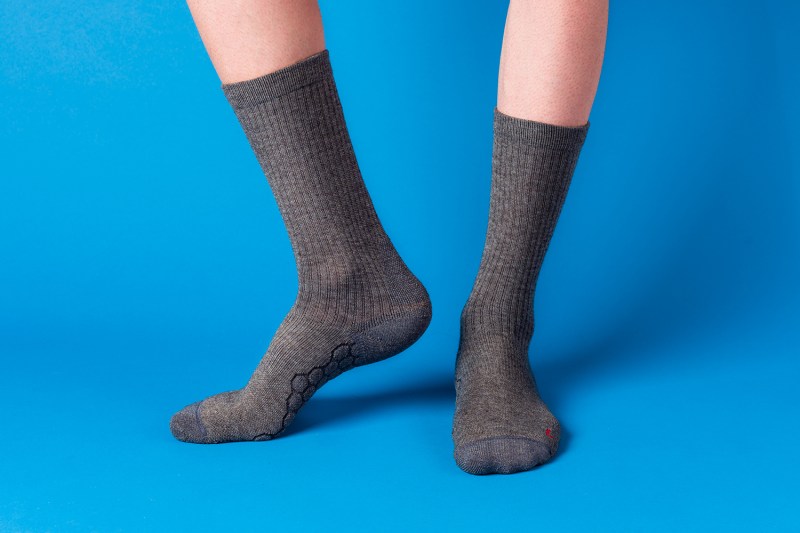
{"points": [[358, 302]]}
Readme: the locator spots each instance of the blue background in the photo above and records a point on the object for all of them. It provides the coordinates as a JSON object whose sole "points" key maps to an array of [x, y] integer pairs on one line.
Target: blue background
{"points": [[143, 265]]}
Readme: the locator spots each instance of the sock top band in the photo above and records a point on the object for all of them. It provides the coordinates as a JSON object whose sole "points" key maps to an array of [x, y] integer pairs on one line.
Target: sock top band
{"points": [[540, 133], [305, 72]]}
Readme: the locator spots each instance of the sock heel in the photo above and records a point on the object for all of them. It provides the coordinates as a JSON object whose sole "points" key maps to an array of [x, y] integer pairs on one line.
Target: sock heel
{"points": [[391, 336]]}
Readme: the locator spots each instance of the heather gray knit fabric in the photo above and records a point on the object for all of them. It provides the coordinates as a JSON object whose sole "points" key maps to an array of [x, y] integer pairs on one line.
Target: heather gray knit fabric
{"points": [[501, 425], [357, 301]]}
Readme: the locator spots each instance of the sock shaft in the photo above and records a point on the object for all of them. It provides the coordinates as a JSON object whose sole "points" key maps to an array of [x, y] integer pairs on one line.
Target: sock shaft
{"points": [[532, 166], [294, 122]]}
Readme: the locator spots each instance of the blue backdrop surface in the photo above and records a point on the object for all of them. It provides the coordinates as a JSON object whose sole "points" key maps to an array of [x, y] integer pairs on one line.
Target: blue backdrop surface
{"points": [[143, 265]]}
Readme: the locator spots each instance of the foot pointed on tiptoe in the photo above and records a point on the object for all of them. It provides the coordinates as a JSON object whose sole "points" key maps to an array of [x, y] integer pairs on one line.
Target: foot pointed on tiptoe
{"points": [[297, 364]]}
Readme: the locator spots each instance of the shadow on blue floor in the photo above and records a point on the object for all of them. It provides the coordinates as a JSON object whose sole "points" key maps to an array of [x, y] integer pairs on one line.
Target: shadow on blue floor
{"points": [[331, 411]]}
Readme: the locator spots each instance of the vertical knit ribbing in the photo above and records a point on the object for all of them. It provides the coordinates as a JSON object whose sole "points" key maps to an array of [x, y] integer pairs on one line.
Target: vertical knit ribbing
{"points": [[294, 121], [532, 165]]}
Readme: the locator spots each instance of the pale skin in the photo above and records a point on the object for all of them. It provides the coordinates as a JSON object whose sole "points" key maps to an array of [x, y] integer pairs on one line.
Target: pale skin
{"points": [[549, 65], [551, 58], [249, 38]]}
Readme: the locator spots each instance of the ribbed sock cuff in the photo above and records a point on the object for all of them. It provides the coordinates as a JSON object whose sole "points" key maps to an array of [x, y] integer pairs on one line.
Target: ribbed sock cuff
{"points": [[540, 133], [242, 94]]}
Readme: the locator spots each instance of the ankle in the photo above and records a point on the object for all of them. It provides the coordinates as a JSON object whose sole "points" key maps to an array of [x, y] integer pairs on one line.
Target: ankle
{"points": [[493, 319], [358, 289]]}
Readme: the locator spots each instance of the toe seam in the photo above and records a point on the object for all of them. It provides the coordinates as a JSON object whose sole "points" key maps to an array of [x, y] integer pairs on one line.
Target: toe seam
{"points": [[199, 420]]}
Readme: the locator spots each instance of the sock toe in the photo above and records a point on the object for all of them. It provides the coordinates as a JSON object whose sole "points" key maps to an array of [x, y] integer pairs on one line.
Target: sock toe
{"points": [[187, 426], [501, 455]]}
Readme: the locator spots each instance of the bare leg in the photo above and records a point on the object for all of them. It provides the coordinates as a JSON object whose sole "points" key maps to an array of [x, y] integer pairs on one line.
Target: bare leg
{"points": [[551, 59], [550, 65], [248, 38]]}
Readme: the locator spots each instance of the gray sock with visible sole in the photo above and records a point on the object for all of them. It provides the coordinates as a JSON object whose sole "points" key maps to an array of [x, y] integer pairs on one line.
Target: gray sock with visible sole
{"points": [[357, 302], [501, 425]]}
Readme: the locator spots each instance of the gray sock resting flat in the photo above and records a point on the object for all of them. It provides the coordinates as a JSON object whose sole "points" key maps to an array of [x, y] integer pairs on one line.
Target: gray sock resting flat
{"points": [[501, 425], [357, 301]]}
